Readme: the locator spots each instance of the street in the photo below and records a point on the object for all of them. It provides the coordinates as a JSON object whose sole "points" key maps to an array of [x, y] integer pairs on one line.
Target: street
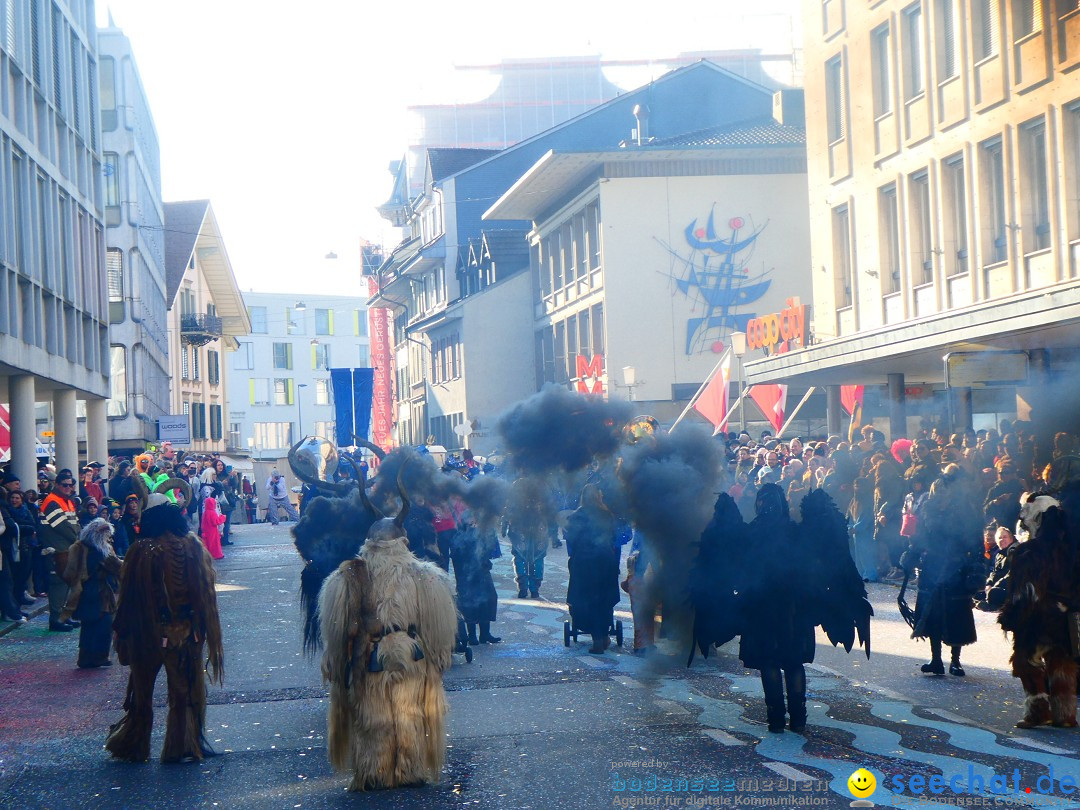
{"points": [[532, 724]]}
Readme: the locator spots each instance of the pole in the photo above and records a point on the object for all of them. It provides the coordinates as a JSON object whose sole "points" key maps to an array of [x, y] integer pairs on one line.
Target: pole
{"points": [[795, 412], [742, 397], [694, 398], [738, 403]]}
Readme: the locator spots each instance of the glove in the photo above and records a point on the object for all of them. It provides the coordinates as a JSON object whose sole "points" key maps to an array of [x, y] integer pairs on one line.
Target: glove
{"points": [[45, 552]]}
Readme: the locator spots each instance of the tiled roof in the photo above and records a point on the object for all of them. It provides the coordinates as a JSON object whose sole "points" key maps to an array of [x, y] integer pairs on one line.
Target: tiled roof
{"points": [[446, 161], [756, 132], [182, 223]]}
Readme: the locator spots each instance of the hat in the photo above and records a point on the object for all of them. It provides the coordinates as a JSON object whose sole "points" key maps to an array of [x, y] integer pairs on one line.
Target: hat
{"points": [[131, 497], [45, 475], [9, 478], [97, 465]]}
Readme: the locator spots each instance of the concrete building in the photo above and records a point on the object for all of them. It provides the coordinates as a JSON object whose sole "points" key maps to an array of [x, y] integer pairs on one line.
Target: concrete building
{"points": [[134, 249], [279, 380], [206, 317], [54, 341], [944, 154], [649, 256], [450, 254]]}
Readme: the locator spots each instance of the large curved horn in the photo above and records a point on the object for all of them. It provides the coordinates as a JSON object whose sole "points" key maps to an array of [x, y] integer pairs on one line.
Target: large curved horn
{"points": [[138, 484], [337, 487], [169, 484], [399, 521], [362, 485], [379, 453]]}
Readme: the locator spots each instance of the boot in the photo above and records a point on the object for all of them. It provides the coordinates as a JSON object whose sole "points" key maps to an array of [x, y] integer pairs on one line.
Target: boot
{"points": [[473, 640], [485, 634], [773, 685], [1036, 711], [1062, 671], [935, 666], [796, 698], [523, 592], [954, 665]]}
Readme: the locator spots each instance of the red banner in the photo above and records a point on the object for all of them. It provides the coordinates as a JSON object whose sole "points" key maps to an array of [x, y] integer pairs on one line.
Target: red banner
{"points": [[382, 360]]}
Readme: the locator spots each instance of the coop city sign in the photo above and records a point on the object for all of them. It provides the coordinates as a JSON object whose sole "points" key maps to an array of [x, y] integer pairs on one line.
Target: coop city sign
{"points": [[768, 331]]}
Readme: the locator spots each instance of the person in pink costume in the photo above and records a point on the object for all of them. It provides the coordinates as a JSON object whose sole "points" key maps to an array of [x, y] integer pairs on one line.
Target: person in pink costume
{"points": [[212, 521]]}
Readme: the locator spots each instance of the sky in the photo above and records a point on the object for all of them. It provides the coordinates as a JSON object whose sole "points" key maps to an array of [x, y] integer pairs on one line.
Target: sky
{"points": [[286, 115]]}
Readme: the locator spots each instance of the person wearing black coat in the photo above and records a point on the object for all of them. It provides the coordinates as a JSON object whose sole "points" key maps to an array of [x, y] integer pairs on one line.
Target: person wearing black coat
{"points": [[471, 551], [10, 609], [778, 632], [947, 551], [593, 589]]}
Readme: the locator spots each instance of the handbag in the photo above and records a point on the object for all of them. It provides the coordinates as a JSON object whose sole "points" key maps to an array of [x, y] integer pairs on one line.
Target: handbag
{"points": [[909, 524]]}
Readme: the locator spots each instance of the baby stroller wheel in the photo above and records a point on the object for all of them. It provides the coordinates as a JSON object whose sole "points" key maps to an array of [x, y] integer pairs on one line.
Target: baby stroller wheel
{"points": [[618, 632], [468, 655], [566, 634]]}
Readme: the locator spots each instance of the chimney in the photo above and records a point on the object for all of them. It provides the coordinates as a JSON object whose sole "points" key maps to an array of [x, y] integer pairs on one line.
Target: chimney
{"points": [[641, 115], [789, 107]]}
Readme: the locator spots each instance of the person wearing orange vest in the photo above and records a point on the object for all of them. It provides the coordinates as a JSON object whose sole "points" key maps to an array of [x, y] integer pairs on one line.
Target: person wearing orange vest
{"points": [[59, 529]]}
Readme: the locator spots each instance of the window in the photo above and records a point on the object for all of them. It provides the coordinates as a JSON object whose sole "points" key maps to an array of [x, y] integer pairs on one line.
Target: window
{"points": [[283, 355], [259, 390], [215, 422], [322, 392], [922, 271], [842, 269], [107, 85], [117, 402], [1071, 161], [283, 391], [320, 356], [986, 23], [244, 357], [834, 99], [364, 356], [1036, 195], [360, 322], [294, 321], [325, 429], [1027, 17], [324, 322], [184, 373], [913, 52], [946, 39], [114, 271], [955, 215], [993, 174], [111, 167], [889, 224], [273, 435], [195, 363], [258, 320], [198, 420], [213, 368], [882, 56]]}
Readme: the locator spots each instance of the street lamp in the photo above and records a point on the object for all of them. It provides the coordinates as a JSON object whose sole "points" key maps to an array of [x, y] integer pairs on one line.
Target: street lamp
{"points": [[299, 409], [630, 381], [738, 348], [300, 306]]}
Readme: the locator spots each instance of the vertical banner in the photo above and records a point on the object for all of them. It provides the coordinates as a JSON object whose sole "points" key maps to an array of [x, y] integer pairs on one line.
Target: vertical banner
{"points": [[382, 394], [362, 385], [344, 417]]}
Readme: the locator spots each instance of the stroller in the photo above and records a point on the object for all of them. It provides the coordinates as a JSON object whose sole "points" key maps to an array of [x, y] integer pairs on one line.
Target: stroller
{"points": [[571, 631]]}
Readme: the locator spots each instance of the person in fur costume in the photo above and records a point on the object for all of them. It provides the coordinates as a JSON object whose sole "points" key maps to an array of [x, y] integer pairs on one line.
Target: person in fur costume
{"points": [[388, 625], [593, 589], [167, 616], [1040, 592], [91, 573]]}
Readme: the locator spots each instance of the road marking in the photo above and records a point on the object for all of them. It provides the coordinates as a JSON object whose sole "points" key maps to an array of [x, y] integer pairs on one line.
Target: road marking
{"points": [[1050, 749], [945, 714], [592, 662], [536, 629], [723, 737], [873, 687], [788, 772], [672, 707], [625, 681]]}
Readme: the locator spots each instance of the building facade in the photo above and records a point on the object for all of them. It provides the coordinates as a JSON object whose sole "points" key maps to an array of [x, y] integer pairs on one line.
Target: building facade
{"points": [[206, 317], [649, 256], [134, 250], [944, 151], [54, 340], [279, 381], [451, 254]]}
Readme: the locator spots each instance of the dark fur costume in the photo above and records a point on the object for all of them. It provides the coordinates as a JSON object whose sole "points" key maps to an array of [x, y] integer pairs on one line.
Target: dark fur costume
{"points": [[167, 616], [1040, 591], [713, 589]]}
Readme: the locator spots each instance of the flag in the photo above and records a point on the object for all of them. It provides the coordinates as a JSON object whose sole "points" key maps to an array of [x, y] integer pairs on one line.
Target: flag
{"points": [[850, 397], [772, 400], [712, 402]]}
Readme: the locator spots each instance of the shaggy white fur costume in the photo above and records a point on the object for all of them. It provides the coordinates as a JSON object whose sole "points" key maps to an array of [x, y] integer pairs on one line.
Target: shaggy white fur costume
{"points": [[387, 726]]}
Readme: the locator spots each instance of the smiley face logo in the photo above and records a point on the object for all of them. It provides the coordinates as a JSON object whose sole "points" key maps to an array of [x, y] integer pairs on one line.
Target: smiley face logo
{"points": [[862, 783]]}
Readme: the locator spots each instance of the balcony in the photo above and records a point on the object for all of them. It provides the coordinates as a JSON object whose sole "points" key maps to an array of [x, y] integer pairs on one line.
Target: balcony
{"points": [[198, 330]]}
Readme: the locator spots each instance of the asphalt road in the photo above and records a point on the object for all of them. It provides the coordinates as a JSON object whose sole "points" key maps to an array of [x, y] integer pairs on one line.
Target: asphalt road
{"points": [[534, 724]]}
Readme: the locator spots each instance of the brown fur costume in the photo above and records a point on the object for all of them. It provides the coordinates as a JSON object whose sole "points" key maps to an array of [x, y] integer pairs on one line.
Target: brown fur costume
{"points": [[166, 616], [381, 611], [1040, 591]]}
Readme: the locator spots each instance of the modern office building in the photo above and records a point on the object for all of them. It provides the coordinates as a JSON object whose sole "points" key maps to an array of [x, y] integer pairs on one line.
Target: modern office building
{"points": [[206, 317], [134, 250], [943, 142], [279, 379], [54, 340]]}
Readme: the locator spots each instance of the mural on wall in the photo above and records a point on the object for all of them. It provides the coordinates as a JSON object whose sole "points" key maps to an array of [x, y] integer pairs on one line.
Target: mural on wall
{"points": [[714, 274]]}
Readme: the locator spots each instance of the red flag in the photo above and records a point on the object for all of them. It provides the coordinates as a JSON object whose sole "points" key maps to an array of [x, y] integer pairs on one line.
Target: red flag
{"points": [[850, 396], [772, 400], [5, 433], [713, 400]]}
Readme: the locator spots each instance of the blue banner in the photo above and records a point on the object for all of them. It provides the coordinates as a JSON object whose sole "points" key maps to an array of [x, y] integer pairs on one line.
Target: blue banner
{"points": [[363, 387], [341, 382]]}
